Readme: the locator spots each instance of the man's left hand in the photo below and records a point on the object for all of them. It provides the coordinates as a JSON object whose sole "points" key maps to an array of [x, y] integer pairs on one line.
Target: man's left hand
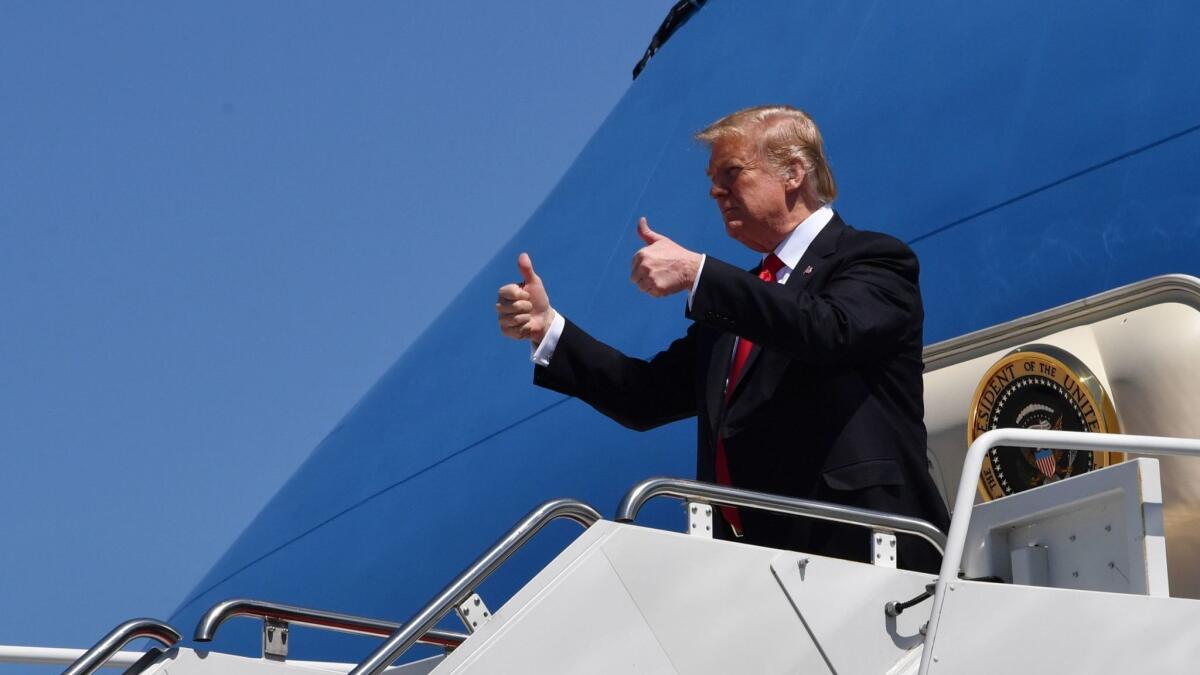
{"points": [[663, 267]]}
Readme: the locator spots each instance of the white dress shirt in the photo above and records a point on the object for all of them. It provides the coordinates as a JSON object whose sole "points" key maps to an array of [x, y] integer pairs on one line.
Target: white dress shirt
{"points": [[790, 250]]}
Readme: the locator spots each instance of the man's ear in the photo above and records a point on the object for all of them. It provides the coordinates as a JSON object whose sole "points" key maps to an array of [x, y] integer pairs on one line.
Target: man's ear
{"points": [[795, 176]]}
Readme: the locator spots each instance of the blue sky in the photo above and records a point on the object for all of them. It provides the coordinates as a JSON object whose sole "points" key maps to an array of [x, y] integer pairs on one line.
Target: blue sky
{"points": [[219, 224]]}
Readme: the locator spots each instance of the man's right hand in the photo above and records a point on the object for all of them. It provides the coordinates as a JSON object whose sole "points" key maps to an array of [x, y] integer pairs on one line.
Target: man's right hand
{"points": [[524, 309]]}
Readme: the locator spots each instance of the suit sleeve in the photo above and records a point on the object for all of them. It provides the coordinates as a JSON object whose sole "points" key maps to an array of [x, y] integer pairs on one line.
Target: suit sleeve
{"points": [[867, 309], [635, 393]]}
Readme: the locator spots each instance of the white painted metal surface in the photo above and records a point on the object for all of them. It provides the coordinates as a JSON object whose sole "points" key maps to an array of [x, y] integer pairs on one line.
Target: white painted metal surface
{"points": [[1030, 565], [910, 663], [1100, 531], [643, 600], [685, 587], [1023, 438], [999, 629], [1143, 347], [883, 549], [700, 519], [841, 605], [473, 612], [529, 635]]}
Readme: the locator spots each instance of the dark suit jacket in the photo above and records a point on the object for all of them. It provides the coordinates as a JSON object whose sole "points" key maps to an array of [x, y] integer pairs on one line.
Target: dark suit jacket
{"points": [[829, 405]]}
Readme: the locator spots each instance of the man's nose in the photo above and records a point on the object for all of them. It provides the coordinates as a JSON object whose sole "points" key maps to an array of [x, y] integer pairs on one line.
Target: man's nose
{"points": [[716, 191]]}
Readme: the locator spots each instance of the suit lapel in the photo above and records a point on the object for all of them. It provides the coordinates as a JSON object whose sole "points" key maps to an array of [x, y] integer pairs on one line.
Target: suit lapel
{"points": [[821, 247], [718, 371], [755, 350]]}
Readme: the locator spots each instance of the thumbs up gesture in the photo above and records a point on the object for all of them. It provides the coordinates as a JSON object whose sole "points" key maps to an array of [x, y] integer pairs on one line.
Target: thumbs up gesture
{"points": [[524, 309], [662, 267]]}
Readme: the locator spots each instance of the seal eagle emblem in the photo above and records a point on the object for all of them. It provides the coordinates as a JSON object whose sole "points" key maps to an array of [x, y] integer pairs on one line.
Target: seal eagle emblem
{"points": [[1039, 387]]}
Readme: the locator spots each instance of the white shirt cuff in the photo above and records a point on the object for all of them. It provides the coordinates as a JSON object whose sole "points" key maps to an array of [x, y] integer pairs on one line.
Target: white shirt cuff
{"points": [[542, 354], [696, 281]]}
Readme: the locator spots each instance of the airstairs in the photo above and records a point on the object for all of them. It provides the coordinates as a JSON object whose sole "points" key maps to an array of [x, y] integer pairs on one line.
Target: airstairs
{"points": [[1069, 577]]}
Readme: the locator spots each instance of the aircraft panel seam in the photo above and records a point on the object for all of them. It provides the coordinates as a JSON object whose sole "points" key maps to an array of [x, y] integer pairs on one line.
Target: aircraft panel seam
{"points": [[625, 229], [1038, 190], [365, 500], [638, 606]]}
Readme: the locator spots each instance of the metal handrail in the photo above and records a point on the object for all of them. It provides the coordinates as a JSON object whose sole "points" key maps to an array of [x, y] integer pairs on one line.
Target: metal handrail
{"points": [[723, 495], [1023, 438], [464, 584], [117, 638], [206, 628], [61, 656], [1181, 288]]}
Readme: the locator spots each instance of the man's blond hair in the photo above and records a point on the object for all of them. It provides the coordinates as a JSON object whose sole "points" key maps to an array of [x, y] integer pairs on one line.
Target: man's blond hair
{"points": [[785, 136]]}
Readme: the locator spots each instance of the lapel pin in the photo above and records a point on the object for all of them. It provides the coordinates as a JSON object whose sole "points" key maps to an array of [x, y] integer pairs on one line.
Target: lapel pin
{"points": [[808, 270]]}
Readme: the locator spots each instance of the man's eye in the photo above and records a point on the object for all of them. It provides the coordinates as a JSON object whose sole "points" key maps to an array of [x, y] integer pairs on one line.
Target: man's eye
{"points": [[733, 171]]}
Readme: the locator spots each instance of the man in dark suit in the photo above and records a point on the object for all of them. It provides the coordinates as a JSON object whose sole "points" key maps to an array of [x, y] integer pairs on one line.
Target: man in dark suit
{"points": [[804, 374]]}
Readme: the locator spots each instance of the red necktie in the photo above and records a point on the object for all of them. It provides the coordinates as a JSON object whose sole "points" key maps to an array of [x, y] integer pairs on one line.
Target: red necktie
{"points": [[770, 267]]}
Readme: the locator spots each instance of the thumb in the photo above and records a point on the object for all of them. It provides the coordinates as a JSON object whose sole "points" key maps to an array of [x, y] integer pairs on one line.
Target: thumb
{"points": [[525, 264], [648, 235]]}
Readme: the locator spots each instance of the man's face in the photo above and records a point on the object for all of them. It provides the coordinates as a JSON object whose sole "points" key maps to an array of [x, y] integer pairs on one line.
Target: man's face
{"points": [[752, 197]]}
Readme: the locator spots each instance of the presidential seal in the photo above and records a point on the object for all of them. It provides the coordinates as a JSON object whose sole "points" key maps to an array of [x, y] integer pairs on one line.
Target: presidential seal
{"points": [[1039, 387]]}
